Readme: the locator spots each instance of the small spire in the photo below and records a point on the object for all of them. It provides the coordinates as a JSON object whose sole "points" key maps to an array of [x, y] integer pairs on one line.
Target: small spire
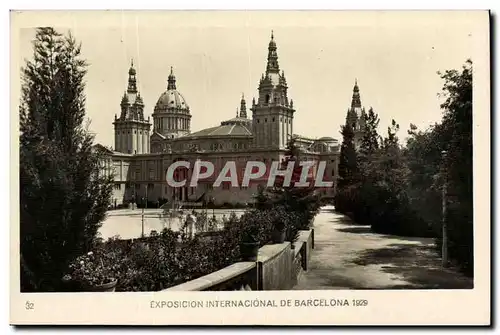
{"points": [[243, 107], [124, 99], [171, 80], [237, 114], [132, 82], [356, 99], [272, 57], [131, 70]]}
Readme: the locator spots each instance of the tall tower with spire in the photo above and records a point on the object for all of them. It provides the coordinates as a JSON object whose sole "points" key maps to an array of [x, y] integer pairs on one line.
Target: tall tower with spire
{"points": [[356, 115], [272, 114], [131, 128]]}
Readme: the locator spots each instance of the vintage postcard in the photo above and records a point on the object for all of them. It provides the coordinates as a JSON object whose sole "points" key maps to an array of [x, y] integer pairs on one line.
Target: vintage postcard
{"points": [[250, 168]]}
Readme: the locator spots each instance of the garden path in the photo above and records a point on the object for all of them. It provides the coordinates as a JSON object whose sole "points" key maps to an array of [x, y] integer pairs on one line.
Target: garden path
{"points": [[350, 256]]}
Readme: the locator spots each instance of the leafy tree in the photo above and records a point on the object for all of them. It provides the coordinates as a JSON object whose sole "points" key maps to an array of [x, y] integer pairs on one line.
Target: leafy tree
{"points": [[348, 167], [302, 203], [425, 160], [368, 150], [371, 139], [64, 193], [457, 125], [390, 174], [346, 193]]}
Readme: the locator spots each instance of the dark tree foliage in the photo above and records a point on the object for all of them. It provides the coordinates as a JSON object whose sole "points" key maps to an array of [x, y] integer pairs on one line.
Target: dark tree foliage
{"points": [[458, 123], [346, 194], [429, 169], [390, 210], [370, 141], [64, 193], [348, 166], [302, 203], [397, 190], [362, 191]]}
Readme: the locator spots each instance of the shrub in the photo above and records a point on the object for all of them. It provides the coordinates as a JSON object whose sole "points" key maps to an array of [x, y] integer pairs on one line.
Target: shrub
{"points": [[64, 195], [171, 258], [95, 268]]}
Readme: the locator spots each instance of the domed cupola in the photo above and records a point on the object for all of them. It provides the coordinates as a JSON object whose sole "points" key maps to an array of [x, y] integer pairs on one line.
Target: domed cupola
{"points": [[171, 114], [241, 116]]}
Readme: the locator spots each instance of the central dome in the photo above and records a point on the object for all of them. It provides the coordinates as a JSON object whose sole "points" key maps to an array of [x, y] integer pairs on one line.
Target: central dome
{"points": [[171, 99]]}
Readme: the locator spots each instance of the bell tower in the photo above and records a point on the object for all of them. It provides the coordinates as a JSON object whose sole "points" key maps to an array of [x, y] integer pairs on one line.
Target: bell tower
{"points": [[272, 114], [356, 115], [131, 128]]}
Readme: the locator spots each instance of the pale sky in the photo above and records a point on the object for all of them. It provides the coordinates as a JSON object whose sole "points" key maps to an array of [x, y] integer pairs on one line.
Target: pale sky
{"points": [[218, 56]]}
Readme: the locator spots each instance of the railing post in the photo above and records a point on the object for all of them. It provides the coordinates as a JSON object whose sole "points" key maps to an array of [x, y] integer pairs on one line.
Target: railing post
{"points": [[260, 278], [303, 253], [312, 238], [254, 282]]}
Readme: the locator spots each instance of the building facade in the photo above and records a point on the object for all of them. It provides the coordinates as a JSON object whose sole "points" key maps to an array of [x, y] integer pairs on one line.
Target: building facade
{"points": [[144, 151]]}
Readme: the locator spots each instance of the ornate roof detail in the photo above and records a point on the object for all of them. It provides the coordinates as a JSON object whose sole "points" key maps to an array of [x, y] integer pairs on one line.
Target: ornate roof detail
{"points": [[356, 99], [243, 107], [132, 81], [171, 80], [171, 100]]}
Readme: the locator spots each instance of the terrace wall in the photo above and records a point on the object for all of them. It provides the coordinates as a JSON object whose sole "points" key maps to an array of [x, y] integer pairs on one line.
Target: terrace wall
{"points": [[278, 267]]}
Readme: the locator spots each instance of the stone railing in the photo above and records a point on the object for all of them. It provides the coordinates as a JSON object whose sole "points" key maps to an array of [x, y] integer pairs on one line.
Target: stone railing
{"points": [[278, 267], [241, 276]]}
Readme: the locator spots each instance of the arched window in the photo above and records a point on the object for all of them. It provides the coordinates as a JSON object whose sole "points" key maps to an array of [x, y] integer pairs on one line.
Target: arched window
{"points": [[267, 98]]}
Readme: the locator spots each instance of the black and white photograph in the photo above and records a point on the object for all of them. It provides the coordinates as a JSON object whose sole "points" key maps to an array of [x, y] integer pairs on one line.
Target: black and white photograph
{"points": [[169, 152]]}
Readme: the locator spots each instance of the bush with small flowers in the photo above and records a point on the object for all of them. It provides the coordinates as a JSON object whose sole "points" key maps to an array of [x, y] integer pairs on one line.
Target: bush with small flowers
{"points": [[95, 268]]}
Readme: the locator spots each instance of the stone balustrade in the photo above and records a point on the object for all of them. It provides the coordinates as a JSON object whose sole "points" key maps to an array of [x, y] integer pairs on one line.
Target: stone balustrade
{"points": [[241, 276], [278, 267]]}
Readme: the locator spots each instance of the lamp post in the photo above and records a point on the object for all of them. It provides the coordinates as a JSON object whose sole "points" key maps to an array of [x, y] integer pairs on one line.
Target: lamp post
{"points": [[213, 206], [444, 244], [142, 222]]}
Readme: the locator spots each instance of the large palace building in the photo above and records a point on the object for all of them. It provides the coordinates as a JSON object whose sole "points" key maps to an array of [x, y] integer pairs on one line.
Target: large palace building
{"points": [[144, 151]]}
